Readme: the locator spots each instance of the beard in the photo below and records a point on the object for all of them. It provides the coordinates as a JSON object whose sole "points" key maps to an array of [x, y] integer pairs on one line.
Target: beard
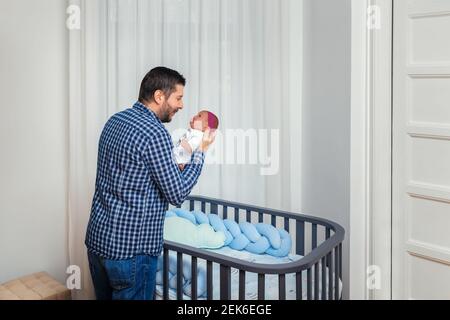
{"points": [[165, 114]]}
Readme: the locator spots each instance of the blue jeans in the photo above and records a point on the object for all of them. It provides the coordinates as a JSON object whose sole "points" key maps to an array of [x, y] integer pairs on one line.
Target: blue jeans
{"points": [[130, 279]]}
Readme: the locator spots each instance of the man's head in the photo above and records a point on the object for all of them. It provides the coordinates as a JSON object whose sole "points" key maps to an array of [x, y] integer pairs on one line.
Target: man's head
{"points": [[162, 90], [203, 120]]}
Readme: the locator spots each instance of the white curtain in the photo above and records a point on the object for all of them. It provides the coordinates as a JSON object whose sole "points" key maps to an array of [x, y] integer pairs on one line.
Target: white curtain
{"points": [[242, 60]]}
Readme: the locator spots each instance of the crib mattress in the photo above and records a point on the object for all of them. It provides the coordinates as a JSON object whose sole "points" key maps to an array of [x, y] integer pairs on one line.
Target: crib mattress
{"points": [[251, 279]]}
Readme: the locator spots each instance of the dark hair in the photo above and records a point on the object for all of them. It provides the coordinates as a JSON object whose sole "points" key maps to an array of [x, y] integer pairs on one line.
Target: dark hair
{"points": [[159, 78]]}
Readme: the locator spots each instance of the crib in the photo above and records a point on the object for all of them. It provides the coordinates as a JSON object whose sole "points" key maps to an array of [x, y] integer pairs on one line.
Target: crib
{"points": [[316, 275]]}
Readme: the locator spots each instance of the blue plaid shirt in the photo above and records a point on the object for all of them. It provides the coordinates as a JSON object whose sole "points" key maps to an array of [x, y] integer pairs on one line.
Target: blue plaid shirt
{"points": [[137, 178]]}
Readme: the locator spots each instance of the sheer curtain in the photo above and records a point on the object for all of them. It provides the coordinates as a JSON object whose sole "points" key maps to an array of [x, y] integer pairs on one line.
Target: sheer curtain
{"points": [[242, 60]]}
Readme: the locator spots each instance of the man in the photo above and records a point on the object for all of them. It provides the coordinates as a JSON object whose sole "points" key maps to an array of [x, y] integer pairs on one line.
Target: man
{"points": [[137, 178]]}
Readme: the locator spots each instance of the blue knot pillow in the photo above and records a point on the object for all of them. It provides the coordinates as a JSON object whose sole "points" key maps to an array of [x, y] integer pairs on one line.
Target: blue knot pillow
{"points": [[239, 242], [285, 246], [200, 217], [218, 225], [271, 233], [259, 247], [232, 226], [257, 238], [182, 213], [250, 231], [201, 283]]}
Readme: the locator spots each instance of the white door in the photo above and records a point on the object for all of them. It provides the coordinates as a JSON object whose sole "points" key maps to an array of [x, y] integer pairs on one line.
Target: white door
{"points": [[421, 150]]}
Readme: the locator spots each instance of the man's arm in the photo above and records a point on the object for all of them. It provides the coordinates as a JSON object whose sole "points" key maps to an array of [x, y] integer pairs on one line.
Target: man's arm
{"points": [[175, 185]]}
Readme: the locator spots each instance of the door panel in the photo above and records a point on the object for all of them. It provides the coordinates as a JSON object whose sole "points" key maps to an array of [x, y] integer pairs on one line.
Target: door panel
{"points": [[421, 150]]}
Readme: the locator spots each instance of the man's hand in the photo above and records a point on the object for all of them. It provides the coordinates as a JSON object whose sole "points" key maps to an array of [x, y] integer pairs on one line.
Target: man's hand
{"points": [[208, 138]]}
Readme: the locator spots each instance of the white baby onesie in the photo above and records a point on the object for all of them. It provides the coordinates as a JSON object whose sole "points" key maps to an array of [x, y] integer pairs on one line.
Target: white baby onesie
{"points": [[194, 138]]}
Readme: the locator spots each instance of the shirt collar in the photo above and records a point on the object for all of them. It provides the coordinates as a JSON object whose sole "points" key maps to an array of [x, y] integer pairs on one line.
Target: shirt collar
{"points": [[141, 107]]}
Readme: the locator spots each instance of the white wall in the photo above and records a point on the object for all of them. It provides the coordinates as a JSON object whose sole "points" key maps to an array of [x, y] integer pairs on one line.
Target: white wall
{"points": [[34, 126], [326, 114], [33, 138]]}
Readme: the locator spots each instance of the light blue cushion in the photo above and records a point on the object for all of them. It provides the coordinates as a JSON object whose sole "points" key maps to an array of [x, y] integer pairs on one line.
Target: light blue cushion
{"points": [[228, 238], [216, 222], [172, 263], [200, 217], [239, 242], [185, 214], [250, 231], [232, 226], [271, 233], [170, 213], [173, 282], [183, 231], [201, 283], [258, 247], [218, 225], [285, 246]]}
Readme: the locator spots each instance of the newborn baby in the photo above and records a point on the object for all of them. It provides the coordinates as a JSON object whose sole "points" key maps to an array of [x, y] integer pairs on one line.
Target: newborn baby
{"points": [[192, 138]]}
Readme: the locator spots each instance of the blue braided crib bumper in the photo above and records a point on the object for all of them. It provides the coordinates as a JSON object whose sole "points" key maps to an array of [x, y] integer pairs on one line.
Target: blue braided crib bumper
{"points": [[312, 270]]}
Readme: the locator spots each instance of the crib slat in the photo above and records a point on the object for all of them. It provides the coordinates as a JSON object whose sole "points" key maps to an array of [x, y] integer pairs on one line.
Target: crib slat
{"points": [[300, 238], [209, 280], [286, 224], [203, 206], [179, 276], [191, 205], [298, 286], [309, 284], [260, 217], [316, 281], [236, 215], [330, 275], [282, 287], [241, 285], [225, 282], [314, 236], [324, 279], [261, 286], [340, 260], [340, 267], [194, 278], [273, 220], [336, 273], [213, 208], [249, 216], [327, 233], [225, 212], [166, 274]]}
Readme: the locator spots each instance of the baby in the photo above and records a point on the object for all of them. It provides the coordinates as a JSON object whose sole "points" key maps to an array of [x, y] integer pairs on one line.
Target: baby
{"points": [[192, 138]]}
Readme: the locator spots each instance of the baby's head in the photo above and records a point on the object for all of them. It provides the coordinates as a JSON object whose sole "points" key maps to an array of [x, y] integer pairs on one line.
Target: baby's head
{"points": [[203, 120]]}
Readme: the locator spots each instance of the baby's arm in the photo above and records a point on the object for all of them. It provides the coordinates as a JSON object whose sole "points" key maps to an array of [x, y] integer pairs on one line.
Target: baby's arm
{"points": [[186, 146]]}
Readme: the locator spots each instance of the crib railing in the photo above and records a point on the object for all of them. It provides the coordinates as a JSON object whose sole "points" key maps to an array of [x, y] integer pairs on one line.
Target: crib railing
{"points": [[320, 254]]}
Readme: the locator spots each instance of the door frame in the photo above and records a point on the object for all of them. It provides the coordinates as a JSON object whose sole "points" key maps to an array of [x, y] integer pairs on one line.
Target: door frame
{"points": [[371, 150]]}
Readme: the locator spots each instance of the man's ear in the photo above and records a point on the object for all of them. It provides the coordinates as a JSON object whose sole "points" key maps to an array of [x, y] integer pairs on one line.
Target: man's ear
{"points": [[159, 96]]}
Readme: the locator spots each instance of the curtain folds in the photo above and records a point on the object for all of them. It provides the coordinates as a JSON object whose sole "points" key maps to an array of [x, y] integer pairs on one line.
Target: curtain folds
{"points": [[242, 60]]}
